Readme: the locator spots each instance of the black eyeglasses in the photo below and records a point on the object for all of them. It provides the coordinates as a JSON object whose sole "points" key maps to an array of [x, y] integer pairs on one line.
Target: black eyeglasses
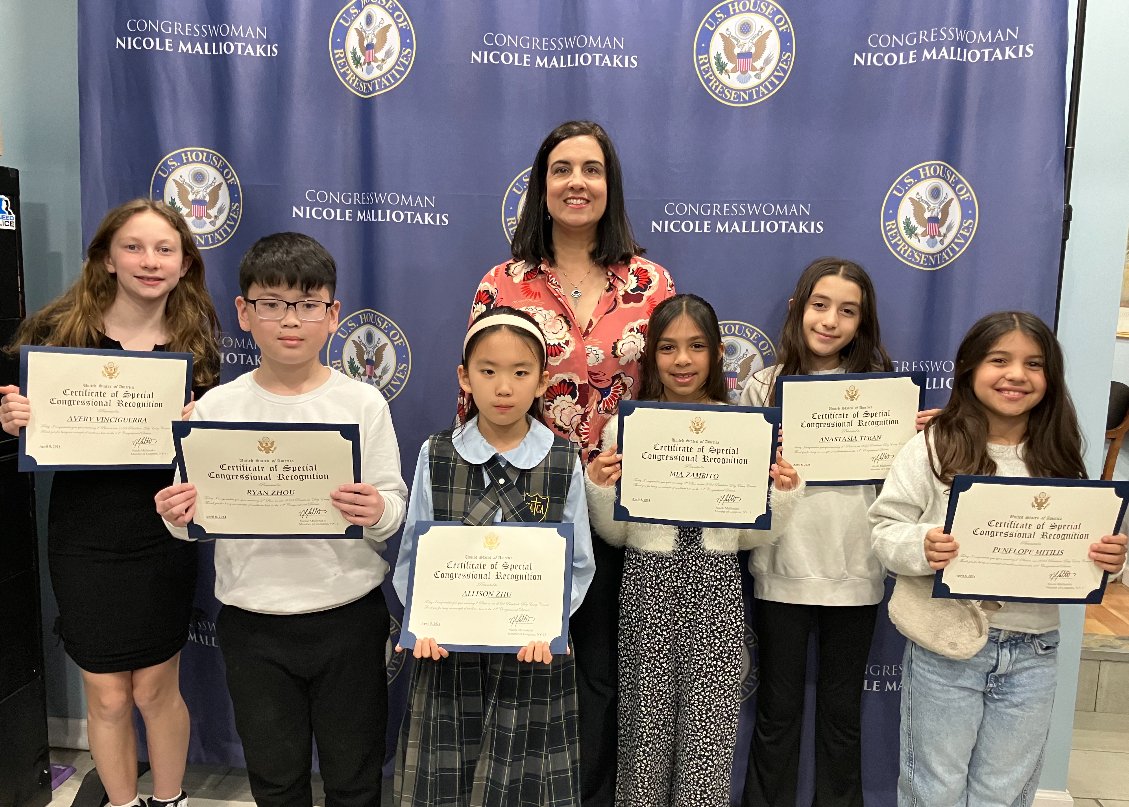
{"points": [[270, 309]]}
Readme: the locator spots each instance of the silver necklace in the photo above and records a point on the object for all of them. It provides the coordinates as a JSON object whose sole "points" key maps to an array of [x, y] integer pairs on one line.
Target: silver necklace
{"points": [[576, 293]]}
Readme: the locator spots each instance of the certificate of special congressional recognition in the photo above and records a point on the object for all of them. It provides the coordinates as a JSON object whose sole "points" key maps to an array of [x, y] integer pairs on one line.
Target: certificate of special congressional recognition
{"points": [[695, 464], [268, 480], [845, 429], [1028, 539], [490, 589], [101, 408]]}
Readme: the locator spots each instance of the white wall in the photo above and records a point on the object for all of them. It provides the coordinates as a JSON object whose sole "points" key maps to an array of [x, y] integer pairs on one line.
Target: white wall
{"points": [[39, 116], [1091, 289]]}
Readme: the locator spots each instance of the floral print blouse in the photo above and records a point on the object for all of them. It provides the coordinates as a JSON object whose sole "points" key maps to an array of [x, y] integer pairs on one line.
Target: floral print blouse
{"points": [[591, 367]]}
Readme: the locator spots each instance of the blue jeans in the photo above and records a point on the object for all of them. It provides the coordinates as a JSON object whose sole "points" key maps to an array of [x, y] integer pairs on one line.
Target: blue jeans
{"points": [[973, 731]]}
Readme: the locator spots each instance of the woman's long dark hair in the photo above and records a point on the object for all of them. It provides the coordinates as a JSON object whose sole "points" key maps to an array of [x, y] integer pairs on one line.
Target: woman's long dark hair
{"points": [[960, 432], [666, 312], [535, 408], [533, 236], [865, 353]]}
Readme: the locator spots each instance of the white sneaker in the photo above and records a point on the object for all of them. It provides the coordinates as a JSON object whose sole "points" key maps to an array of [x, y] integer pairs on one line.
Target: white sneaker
{"points": [[179, 801]]}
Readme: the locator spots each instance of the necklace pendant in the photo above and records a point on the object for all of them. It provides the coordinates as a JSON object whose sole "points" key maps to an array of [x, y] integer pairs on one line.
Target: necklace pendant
{"points": [[575, 294]]}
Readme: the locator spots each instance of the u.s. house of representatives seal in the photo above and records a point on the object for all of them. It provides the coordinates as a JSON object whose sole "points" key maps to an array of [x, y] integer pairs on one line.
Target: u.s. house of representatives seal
{"points": [[744, 51], [393, 661], [370, 347], [201, 185], [750, 673], [744, 350], [513, 202], [929, 215], [372, 46]]}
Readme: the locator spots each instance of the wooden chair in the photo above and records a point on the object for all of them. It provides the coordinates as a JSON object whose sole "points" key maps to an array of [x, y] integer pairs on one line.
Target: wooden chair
{"points": [[1116, 424]]}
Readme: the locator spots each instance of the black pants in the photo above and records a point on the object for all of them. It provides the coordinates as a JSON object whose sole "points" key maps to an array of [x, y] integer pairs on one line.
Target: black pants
{"points": [[595, 637], [322, 675], [844, 635]]}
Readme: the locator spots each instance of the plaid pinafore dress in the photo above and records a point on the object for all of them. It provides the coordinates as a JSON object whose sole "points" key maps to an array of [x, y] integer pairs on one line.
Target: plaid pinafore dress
{"points": [[483, 729]]}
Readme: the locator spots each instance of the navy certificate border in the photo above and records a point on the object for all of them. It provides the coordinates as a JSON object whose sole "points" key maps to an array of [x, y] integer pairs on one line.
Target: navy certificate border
{"points": [[770, 414], [963, 482], [350, 431], [916, 377], [28, 463], [559, 644]]}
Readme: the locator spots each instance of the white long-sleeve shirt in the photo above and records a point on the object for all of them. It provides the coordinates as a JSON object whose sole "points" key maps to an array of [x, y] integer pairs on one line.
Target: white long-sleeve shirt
{"points": [[300, 575]]}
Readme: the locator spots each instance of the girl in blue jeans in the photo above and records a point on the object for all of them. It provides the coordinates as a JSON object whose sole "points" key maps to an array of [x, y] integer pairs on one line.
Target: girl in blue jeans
{"points": [[973, 728]]}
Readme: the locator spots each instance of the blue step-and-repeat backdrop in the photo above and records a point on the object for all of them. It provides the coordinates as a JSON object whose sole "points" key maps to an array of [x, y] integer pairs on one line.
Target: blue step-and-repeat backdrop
{"points": [[923, 140]]}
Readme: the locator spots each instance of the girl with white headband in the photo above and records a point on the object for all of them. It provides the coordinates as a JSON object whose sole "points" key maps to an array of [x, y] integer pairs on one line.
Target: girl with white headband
{"points": [[495, 728]]}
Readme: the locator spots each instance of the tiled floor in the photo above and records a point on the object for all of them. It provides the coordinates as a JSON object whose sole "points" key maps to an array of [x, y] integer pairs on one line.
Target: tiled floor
{"points": [[1099, 770], [207, 786]]}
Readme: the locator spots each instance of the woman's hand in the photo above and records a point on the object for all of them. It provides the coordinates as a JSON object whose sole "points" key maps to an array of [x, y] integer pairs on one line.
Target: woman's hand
{"points": [[1109, 554], [784, 476], [359, 502], [534, 652], [15, 411], [940, 548], [176, 504], [605, 468], [926, 415]]}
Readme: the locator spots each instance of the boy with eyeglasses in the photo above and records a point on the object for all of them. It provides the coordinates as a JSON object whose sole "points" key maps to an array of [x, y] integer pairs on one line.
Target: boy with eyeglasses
{"points": [[304, 625]]}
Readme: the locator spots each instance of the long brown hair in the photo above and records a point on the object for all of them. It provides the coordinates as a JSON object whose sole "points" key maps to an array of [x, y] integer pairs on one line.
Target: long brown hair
{"points": [[959, 434], [74, 318], [533, 235], [666, 312], [865, 353]]}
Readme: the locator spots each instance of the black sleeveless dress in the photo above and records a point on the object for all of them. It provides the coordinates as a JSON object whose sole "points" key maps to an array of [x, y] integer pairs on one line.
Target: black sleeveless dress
{"points": [[123, 584]]}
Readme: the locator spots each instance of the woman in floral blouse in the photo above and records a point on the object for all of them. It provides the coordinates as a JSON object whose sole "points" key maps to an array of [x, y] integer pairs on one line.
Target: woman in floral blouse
{"points": [[578, 271]]}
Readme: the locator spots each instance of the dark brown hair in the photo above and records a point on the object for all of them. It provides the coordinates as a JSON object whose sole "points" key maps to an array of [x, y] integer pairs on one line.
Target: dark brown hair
{"points": [[538, 348], [533, 236], [74, 318], [666, 312], [959, 434], [864, 354]]}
